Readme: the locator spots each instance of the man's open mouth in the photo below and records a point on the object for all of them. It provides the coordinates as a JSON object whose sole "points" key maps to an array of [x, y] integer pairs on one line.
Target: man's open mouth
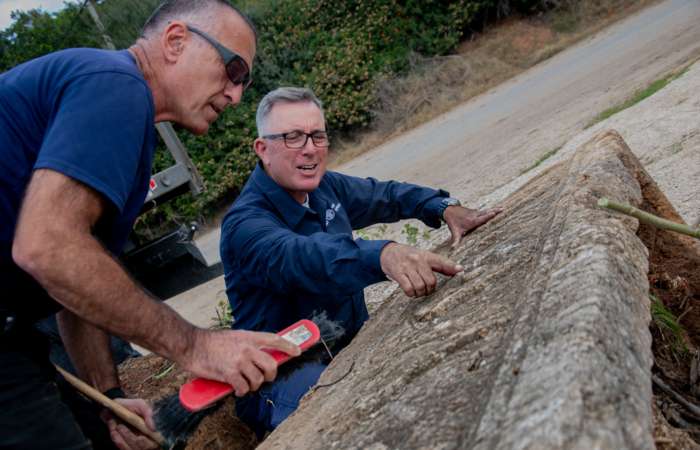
{"points": [[309, 168]]}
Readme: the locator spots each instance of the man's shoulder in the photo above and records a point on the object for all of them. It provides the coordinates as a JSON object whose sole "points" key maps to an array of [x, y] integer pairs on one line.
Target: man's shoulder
{"points": [[80, 61], [340, 184], [335, 180], [44, 75], [251, 202], [330, 177]]}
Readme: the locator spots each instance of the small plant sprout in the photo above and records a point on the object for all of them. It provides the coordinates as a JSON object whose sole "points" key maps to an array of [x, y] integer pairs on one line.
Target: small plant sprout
{"points": [[411, 233], [166, 372], [224, 317], [667, 321], [368, 235], [676, 149]]}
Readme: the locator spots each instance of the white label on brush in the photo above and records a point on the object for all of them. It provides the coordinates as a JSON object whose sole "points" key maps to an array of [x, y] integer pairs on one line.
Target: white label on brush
{"points": [[298, 336]]}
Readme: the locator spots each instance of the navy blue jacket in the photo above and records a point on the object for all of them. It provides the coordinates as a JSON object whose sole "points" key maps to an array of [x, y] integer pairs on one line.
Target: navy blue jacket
{"points": [[283, 261]]}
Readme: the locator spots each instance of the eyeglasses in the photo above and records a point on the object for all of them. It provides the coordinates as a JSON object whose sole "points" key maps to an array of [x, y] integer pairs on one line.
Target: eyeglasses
{"points": [[236, 67], [298, 139]]}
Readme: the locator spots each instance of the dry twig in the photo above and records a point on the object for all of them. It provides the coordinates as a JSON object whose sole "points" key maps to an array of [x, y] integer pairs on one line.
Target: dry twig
{"points": [[681, 316], [694, 409]]}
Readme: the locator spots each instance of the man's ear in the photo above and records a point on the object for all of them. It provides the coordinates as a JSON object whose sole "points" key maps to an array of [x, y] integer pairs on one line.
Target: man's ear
{"points": [[261, 149], [174, 37]]}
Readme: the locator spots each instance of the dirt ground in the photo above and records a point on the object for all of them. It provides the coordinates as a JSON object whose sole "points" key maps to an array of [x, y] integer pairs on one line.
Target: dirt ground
{"points": [[221, 430], [674, 280]]}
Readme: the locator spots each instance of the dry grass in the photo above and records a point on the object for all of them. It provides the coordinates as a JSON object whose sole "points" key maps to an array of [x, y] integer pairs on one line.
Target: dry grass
{"points": [[435, 86]]}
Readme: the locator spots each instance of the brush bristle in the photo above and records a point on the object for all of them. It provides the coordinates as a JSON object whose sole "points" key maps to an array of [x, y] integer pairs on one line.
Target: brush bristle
{"points": [[174, 422], [331, 333]]}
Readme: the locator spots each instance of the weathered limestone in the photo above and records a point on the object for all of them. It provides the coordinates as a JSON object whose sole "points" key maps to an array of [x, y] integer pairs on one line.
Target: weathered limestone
{"points": [[542, 342]]}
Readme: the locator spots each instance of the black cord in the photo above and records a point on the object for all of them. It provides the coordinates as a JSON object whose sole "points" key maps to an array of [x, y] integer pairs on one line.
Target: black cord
{"points": [[336, 381], [70, 26]]}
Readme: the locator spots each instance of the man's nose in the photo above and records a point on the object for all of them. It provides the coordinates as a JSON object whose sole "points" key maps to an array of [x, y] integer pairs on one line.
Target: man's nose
{"points": [[309, 148], [233, 92]]}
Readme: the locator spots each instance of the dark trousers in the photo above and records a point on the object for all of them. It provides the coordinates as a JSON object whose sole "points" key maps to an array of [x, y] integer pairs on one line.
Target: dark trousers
{"points": [[265, 409], [38, 408]]}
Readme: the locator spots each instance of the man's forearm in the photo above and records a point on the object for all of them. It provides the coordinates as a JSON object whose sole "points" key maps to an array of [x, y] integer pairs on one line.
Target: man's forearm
{"points": [[89, 350], [54, 243], [82, 277]]}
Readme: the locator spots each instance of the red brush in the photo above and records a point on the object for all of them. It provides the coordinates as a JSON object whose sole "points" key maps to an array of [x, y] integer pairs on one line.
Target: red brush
{"points": [[177, 417], [201, 393]]}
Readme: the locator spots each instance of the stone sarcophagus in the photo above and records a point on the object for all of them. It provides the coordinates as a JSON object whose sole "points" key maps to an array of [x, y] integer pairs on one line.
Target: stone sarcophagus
{"points": [[542, 341]]}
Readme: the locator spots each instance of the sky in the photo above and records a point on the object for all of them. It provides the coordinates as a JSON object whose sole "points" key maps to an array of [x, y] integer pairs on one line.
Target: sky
{"points": [[7, 6]]}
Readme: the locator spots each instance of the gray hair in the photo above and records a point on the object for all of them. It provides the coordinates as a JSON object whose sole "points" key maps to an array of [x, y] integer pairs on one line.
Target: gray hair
{"points": [[200, 14], [283, 95]]}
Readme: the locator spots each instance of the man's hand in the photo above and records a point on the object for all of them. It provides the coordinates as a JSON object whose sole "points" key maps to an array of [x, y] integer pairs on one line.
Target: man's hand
{"points": [[124, 437], [459, 220], [413, 268], [235, 357]]}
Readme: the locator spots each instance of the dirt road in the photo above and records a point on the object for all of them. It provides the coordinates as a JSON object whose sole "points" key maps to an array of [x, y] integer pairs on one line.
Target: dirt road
{"points": [[482, 145]]}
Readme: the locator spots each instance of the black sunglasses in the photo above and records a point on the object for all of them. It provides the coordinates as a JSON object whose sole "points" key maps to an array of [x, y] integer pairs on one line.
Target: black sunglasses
{"points": [[236, 67]]}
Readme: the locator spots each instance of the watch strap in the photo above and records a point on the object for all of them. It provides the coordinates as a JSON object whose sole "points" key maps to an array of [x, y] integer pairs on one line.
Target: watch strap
{"points": [[446, 202], [114, 393]]}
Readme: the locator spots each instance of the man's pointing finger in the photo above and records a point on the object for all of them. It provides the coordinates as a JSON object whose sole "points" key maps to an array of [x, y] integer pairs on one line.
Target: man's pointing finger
{"points": [[444, 265]]}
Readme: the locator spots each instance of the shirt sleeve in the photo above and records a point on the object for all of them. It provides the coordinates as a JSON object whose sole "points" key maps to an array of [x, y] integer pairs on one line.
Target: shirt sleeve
{"points": [[96, 132], [270, 255], [368, 201]]}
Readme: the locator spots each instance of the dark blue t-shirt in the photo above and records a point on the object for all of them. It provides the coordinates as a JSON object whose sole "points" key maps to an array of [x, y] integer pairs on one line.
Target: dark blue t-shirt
{"points": [[88, 114]]}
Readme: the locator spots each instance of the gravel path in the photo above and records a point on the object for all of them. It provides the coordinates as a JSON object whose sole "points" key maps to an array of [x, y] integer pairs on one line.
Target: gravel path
{"points": [[481, 146]]}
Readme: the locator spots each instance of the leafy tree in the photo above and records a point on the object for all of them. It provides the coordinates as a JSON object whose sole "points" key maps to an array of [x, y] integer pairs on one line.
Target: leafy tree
{"points": [[36, 33]]}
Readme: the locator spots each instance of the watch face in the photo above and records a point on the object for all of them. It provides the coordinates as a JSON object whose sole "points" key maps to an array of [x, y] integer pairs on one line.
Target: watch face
{"points": [[452, 202]]}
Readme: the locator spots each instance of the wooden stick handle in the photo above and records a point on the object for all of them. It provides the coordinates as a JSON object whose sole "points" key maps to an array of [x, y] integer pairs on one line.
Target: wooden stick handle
{"points": [[115, 408], [657, 222]]}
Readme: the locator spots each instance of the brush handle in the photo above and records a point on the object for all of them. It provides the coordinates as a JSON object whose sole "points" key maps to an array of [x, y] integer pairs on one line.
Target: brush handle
{"points": [[133, 419], [202, 392]]}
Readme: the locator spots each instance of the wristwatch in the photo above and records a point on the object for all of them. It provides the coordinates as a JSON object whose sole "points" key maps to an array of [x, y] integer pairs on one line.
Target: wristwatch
{"points": [[444, 204]]}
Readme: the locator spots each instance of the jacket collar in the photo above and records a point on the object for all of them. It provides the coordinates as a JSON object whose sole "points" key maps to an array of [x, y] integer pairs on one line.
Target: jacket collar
{"points": [[291, 211]]}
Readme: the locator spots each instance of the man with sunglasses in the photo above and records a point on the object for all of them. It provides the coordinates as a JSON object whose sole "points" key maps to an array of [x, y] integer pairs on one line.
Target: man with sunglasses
{"points": [[77, 145], [288, 250]]}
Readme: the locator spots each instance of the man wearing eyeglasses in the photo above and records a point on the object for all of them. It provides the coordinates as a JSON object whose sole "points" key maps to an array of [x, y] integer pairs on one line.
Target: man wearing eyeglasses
{"points": [[77, 146], [287, 244]]}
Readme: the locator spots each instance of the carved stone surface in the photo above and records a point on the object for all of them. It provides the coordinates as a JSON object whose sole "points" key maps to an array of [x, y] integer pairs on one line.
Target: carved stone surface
{"points": [[542, 341]]}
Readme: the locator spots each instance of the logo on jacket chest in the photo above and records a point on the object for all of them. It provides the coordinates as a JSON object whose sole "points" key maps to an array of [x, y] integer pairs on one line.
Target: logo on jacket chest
{"points": [[330, 213]]}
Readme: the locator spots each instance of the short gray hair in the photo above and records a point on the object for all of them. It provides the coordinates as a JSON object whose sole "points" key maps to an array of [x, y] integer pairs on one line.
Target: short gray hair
{"points": [[199, 14], [283, 95]]}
